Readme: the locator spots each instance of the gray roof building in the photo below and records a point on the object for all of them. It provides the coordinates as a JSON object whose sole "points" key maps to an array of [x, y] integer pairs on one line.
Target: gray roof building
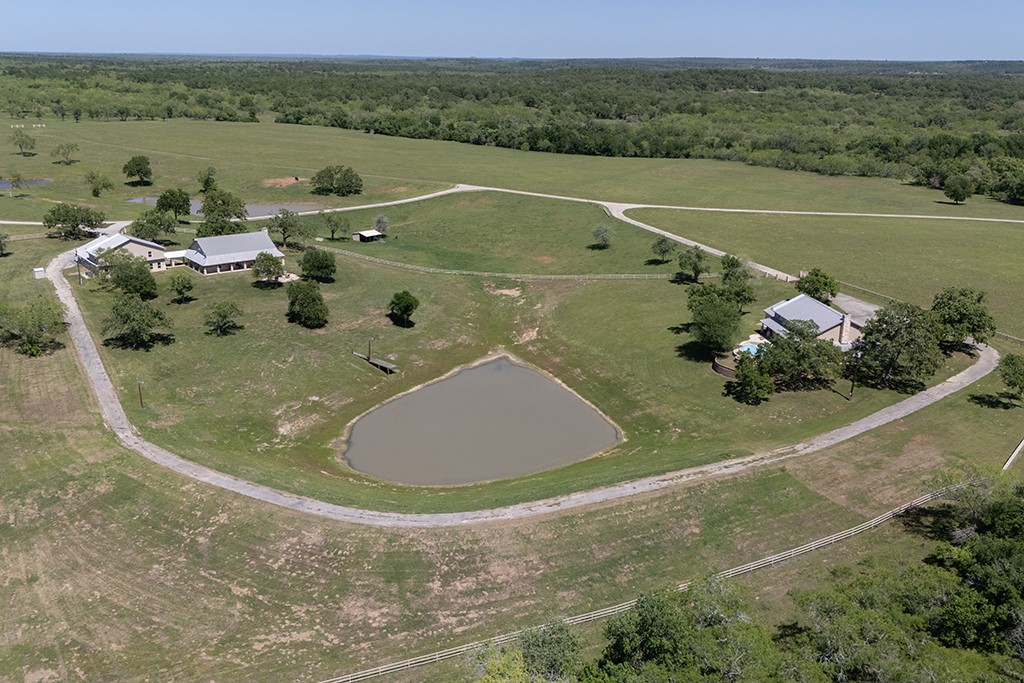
{"points": [[832, 324], [227, 250]]}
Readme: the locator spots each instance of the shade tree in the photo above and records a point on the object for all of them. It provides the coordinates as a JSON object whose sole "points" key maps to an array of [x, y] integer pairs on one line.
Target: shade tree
{"points": [[961, 314], [64, 151], [602, 235], [898, 348], [98, 183], [336, 224], [133, 322], [151, 224], [207, 179], [662, 247], [959, 188], [138, 167], [819, 285], [338, 180], [694, 261], [288, 225], [31, 329], [69, 221], [319, 265], [1011, 370], [306, 304], [182, 285], [402, 305], [267, 268], [128, 273], [176, 200], [798, 360], [221, 318], [23, 141], [715, 317], [15, 181]]}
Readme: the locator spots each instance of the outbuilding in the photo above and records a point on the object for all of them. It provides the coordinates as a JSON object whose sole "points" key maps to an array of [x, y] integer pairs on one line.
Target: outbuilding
{"points": [[367, 235], [90, 254], [226, 253]]}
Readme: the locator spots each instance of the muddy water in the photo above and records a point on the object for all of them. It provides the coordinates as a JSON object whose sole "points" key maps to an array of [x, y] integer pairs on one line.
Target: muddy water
{"points": [[494, 421]]}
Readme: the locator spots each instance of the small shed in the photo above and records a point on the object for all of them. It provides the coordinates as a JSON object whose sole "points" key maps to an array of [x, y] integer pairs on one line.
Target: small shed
{"points": [[367, 235]]}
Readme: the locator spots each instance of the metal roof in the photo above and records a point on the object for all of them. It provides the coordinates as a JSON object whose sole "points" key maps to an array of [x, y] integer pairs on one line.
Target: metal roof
{"points": [[246, 246], [803, 307], [92, 249]]}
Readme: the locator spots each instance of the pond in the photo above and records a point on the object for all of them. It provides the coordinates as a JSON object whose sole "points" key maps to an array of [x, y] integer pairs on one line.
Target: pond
{"points": [[493, 421], [253, 210], [6, 184]]}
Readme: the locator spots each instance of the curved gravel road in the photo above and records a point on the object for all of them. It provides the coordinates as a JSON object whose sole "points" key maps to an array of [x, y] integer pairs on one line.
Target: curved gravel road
{"points": [[114, 415]]}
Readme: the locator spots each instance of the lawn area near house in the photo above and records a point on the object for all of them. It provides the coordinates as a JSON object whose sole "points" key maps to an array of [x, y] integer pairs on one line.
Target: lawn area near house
{"points": [[903, 258], [266, 404]]}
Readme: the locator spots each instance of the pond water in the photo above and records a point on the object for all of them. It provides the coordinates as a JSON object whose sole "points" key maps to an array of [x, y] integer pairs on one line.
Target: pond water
{"points": [[6, 184], [493, 421], [254, 210]]}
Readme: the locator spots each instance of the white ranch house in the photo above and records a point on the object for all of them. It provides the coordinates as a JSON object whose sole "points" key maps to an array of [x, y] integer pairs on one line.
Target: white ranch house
{"points": [[206, 255], [834, 326]]}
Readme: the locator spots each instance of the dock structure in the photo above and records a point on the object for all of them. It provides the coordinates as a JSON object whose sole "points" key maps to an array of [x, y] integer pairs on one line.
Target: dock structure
{"points": [[380, 364]]}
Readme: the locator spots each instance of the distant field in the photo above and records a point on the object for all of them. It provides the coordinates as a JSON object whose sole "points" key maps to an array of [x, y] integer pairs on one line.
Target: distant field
{"points": [[248, 154], [504, 233], [907, 259]]}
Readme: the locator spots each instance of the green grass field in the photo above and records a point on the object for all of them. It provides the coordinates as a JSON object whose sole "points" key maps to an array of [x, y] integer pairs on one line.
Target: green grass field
{"points": [[503, 233], [906, 259], [248, 154], [113, 568]]}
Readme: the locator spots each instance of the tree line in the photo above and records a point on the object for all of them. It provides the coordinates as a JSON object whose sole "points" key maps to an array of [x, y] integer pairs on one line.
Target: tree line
{"points": [[924, 123], [957, 615]]}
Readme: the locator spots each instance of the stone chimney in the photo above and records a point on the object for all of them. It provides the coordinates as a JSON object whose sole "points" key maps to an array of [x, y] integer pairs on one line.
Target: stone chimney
{"points": [[845, 330]]}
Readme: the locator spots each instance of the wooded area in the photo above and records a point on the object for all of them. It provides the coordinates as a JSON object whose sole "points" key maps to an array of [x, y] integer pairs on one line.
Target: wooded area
{"points": [[924, 122]]}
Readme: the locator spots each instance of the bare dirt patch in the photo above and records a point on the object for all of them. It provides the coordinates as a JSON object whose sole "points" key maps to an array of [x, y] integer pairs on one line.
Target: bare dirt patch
{"points": [[859, 477], [492, 288], [282, 182], [546, 260]]}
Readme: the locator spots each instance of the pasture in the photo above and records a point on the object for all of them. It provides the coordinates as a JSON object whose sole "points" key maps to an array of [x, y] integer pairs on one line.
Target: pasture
{"points": [[99, 546]]}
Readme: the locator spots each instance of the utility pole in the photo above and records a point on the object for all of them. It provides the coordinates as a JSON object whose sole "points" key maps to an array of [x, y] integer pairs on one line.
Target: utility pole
{"points": [[141, 404]]}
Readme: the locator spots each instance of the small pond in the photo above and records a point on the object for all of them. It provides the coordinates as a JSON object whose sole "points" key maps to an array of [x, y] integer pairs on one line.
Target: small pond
{"points": [[6, 184], [254, 210], [493, 421]]}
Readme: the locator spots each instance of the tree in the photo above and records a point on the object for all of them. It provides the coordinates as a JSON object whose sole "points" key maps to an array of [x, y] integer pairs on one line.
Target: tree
{"points": [[733, 269], [402, 306], [130, 274], [662, 247], [98, 183], [223, 203], [654, 631], [4, 237], [716, 319], [752, 384], [182, 284], [207, 180], [602, 237], [961, 313], [381, 223], [959, 188], [288, 225], [306, 304], [899, 348], [31, 328], [176, 201], [1011, 369], [16, 181], [339, 180], [63, 152], [819, 285], [138, 167], [132, 322], [336, 223], [71, 222], [318, 265], [503, 666], [151, 224], [221, 318], [798, 360], [552, 652], [23, 141], [267, 267], [694, 261]]}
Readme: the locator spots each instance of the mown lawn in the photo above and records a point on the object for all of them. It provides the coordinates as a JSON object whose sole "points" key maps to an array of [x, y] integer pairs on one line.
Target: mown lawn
{"points": [[903, 258]]}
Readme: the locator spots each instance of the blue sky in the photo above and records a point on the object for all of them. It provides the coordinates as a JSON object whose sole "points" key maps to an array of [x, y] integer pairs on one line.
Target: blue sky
{"points": [[825, 29]]}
